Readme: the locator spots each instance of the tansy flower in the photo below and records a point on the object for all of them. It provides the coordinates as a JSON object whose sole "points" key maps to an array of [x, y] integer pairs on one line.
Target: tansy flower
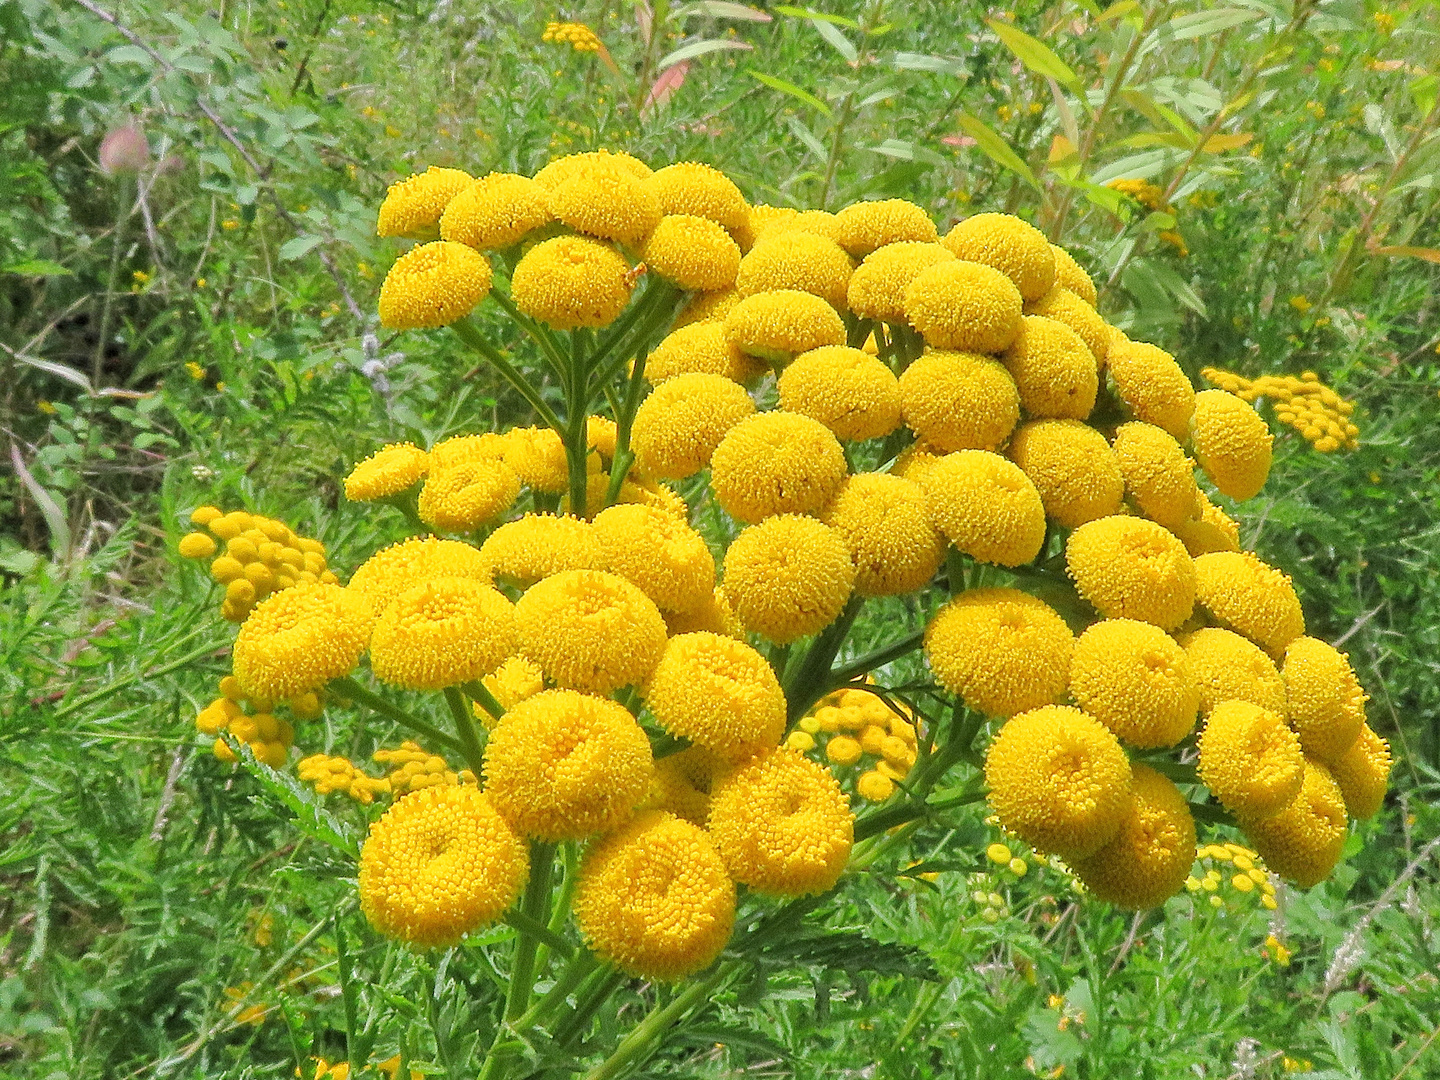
{"points": [[776, 463], [204, 515], [654, 898], [1232, 443], [460, 449], [1072, 467], [389, 471], [590, 630], [877, 287], [715, 613], [1059, 781], [571, 166], [196, 545], [511, 683], [1002, 651], [690, 187], [764, 218], [707, 307], [799, 261], [985, 506], [964, 305], [668, 560], [1362, 772], [563, 765], [467, 496], [1052, 368], [844, 751], [570, 281], [1149, 858], [1135, 680], [959, 401], [817, 222], [1249, 597], [1158, 475], [915, 460], [864, 226], [1213, 530], [1325, 703], [442, 633], [681, 784], [681, 422], [1132, 569], [778, 326], [433, 285], [693, 252], [874, 786], [1152, 385], [719, 693], [788, 577], [1302, 842], [700, 348], [496, 211], [1069, 274], [1064, 306], [439, 864], [413, 206], [850, 392], [538, 457], [400, 567], [1015, 248], [301, 638], [782, 824], [1226, 667], [609, 204], [538, 545], [1250, 760], [884, 520]]}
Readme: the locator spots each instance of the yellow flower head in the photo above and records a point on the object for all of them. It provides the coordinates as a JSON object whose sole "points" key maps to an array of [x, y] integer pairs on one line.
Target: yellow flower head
{"points": [[609, 204], [965, 306], [700, 348], [301, 638], [468, 495], [1002, 651], [654, 898], [1069, 274], [1250, 760], [864, 226], [782, 824], [1362, 773], [1053, 369], [511, 683], [538, 545], [885, 522], [1249, 597], [538, 457], [204, 515], [1302, 842], [668, 560], [563, 765], [1325, 703], [460, 449], [874, 786], [788, 577], [1015, 248], [778, 326], [715, 614], [1226, 667], [1064, 306], [1152, 852], [442, 633], [959, 401], [877, 287], [571, 166], [570, 281], [1152, 385], [590, 630], [985, 506], [389, 471], [695, 253], [439, 864], [1158, 475], [776, 463], [765, 218], [707, 307], [1072, 467], [690, 187], [400, 567], [681, 785], [1213, 530], [799, 261], [816, 222], [1135, 680], [1132, 569], [497, 211], [679, 425], [1232, 443], [413, 206], [196, 545], [433, 285], [849, 391], [1059, 781], [719, 693]]}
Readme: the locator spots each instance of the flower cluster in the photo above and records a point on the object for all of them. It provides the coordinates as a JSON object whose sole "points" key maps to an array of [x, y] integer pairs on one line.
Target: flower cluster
{"points": [[261, 556], [863, 731], [1317, 412], [1231, 868], [577, 35], [268, 736]]}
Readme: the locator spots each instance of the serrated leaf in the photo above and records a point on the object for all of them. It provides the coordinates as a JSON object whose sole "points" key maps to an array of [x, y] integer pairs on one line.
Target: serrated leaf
{"points": [[700, 48], [1034, 53], [787, 87], [311, 818], [853, 951], [996, 148]]}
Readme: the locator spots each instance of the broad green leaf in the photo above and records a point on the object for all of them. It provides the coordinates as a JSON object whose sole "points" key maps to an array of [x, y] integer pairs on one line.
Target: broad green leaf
{"points": [[1158, 138], [787, 87], [838, 41], [700, 48], [35, 268], [129, 54], [908, 61], [905, 150], [996, 148], [1033, 53], [807, 13], [1138, 166], [298, 246], [1204, 23]]}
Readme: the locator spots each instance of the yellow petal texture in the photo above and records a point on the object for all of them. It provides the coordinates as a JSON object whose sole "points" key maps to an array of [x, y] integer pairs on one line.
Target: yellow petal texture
{"points": [[800, 261], [1152, 852], [1324, 699], [707, 307], [1250, 597], [877, 287], [1014, 247], [681, 784], [511, 683], [691, 187], [959, 401], [413, 206], [496, 211], [468, 495], [1302, 843], [1152, 385], [299, 639], [400, 567], [1053, 370], [537, 545], [719, 693], [1132, 569], [985, 506], [1069, 274], [433, 285], [442, 633], [777, 326], [682, 421], [609, 205], [849, 391], [700, 348], [1001, 650], [1134, 679], [788, 577], [864, 226], [776, 463], [1250, 760], [964, 305], [389, 471], [570, 281], [715, 613], [196, 545], [1232, 443], [571, 166], [1158, 475], [1226, 667], [1214, 530], [1362, 773], [885, 522], [694, 253], [669, 561], [1072, 467], [1064, 306]]}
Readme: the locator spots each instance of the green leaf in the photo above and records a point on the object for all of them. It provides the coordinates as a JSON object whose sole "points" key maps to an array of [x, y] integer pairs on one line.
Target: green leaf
{"points": [[854, 951], [311, 818], [700, 48], [805, 135], [35, 268], [1204, 23], [838, 41], [785, 87], [996, 148], [724, 9], [807, 13], [298, 246], [1034, 54], [909, 61]]}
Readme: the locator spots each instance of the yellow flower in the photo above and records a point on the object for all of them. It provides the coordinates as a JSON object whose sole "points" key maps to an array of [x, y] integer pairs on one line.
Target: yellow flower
{"points": [[682, 421], [1250, 760], [1132, 569], [442, 633], [1135, 680], [1250, 597], [985, 506], [1362, 772], [538, 457], [850, 392], [1214, 530], [577, 35], [1065, 307], [681, 785], [194, 370], [196, 545], [843, 750], [874, 786], [719, 693], [1158, 475], [389, 471], [700, 348], [1059, 781], [799, 261], [569, 167], [439, 864], [782, 824], [468, 495], [511, 683], [609, 204], [1053, 369], [413, 206], [1302, 843], [763, 218], [570, 281], [965, 306], [959, 401], [776, 463], [1232, 443], [1325, 702], [496, 211], [339, 774], [877, 287], [864, 226], [1152, 385], [1226, 667], [1152, 852], [1301, 303], [1072, 467], [1002, 651], [693, 252], [778, 326], [998, 853], [590, 630], [690, 187], [885, 523], [1069, 274], [400, 567], [788, 577], [668, 560], [654, 898], [538, 545], [715, 614], [300, 639], [433, 285], [817, 222], [1015, 248]]}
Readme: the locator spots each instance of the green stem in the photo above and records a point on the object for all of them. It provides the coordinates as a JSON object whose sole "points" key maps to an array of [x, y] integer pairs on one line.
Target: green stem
{"points": [[649, 1030], [117, 244], [476, 690], [517, 920], [466, 331], [588, 999], [896, 649], [660, 301], [577, 406], [347, 687], [811, 681], [163, 669], [542, 337], [465, 728], [576, 972], [569, 857], [532, 906]]}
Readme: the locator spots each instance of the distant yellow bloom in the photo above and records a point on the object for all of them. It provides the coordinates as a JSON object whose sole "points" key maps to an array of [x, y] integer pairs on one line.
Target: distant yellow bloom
{"points": [[577, 35], [194, 370]]}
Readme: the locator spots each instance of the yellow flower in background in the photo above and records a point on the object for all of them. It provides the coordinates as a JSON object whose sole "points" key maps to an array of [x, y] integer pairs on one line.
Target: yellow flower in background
{"points": [[194, 370], [577, 35]]}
